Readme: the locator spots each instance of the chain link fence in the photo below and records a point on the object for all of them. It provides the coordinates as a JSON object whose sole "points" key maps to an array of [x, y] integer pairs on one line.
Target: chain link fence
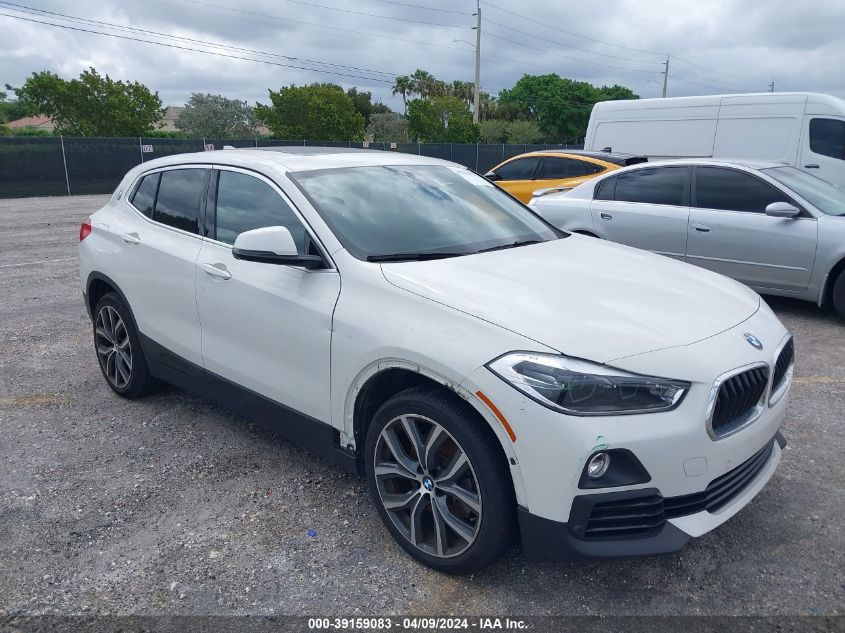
{"points": [[55, 166]]}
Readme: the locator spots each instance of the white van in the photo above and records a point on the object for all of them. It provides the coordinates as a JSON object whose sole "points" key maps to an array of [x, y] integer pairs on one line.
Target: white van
{"points": [[802, 129]]}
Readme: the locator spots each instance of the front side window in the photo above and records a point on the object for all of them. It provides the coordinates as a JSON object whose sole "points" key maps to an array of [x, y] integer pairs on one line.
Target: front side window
{"points": [[556, 168], [733, 190], [826, 197], [145, 195], [245, 203], [519, 169], [180, 195], [663, 185], [376, 211], [827, 137]]}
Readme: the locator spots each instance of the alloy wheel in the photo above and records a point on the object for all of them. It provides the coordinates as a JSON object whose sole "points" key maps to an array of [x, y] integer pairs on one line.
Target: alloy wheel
{"points": [[114, 350], [427, 485]]}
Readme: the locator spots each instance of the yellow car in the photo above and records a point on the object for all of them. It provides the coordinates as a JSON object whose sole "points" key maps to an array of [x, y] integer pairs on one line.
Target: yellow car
{"points": [[522, 175]]}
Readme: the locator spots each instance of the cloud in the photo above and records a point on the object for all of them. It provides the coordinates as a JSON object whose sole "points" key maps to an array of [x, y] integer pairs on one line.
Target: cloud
{"points": [[716, 46]]}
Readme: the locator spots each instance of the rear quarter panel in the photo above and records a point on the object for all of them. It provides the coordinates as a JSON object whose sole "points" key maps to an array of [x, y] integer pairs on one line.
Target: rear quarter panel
{"points": [[566, 212]]}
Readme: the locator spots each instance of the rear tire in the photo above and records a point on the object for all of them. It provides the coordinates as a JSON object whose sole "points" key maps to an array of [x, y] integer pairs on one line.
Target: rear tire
{"points": [[838, 294], [118, 348], [440, 481]]}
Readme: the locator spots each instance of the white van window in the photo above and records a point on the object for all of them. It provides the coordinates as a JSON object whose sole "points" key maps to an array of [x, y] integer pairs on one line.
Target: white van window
{"points": [[827, 137]]}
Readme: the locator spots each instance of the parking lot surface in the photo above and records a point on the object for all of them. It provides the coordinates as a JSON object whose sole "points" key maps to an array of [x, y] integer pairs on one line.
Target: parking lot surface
{"points": [[172, 505]]}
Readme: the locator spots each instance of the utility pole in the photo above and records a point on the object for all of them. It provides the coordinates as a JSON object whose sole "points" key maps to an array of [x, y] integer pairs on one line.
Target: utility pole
{"points": [[666, 77], [772, 85], [477, 87]]}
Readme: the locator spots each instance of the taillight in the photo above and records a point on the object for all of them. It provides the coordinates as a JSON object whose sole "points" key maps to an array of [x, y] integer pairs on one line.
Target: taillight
{"points": [[85, 229]]}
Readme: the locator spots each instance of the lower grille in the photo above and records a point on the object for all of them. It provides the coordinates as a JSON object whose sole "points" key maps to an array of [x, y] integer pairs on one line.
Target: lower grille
{"points": [[618, 515], [737, 399], [782, 364]]}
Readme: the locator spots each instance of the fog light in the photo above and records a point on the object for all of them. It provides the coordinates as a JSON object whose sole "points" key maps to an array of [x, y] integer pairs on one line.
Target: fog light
{"points": [[598, 465]]}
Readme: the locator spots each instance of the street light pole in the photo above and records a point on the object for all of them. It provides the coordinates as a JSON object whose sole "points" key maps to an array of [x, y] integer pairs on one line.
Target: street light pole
{"points": [[477, 87], [666, 77]]}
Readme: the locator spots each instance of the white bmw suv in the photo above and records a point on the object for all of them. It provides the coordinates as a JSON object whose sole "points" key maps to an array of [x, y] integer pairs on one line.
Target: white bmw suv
{"points": [[490, 375]]}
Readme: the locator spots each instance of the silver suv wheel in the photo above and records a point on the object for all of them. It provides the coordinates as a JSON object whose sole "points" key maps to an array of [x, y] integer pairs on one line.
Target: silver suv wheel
{"points": [[114, 350], [427, 485]]}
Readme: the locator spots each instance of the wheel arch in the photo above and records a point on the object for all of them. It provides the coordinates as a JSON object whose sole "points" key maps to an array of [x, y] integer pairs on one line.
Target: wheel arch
{"points": [[827, 293], [99, 285], [384, 379]]}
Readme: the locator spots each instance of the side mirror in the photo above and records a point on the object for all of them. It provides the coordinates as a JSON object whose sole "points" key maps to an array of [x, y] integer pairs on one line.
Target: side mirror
{"points": [[272, 245], [544, 192], [782, 210], [492, 176]]}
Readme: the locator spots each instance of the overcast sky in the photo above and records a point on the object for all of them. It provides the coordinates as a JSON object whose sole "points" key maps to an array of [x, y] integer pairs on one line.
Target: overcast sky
{"points": [[716, 46]]}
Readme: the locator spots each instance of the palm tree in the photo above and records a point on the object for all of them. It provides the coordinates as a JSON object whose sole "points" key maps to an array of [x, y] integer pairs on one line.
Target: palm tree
{"points": [[423, 83], [463, 90], [402, 86]]}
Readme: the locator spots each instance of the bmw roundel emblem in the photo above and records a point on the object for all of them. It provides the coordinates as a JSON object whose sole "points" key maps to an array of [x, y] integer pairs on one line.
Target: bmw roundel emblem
{"points": [[753, 341]]}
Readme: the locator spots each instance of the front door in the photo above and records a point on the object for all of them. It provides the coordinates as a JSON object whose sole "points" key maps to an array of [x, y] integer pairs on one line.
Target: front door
{"points": [[266, 327], [730, 233]]}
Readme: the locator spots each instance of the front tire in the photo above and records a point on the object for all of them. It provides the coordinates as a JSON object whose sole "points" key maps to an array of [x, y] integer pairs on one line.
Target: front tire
{"points": [[440, 481], [118, 348], [838, 294]]}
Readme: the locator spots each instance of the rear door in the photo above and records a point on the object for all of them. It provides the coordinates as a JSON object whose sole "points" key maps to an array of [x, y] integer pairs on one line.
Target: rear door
{"points": [[731, 234], [159, 242], [517, 177], [265, 326], [646, 208], [823, 151]]}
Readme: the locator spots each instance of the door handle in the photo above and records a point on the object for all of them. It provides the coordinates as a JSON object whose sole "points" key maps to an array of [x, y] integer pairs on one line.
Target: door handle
{"points": [[131, 238], [216, 270], [605, 216], [811, 166], [702, 229]]}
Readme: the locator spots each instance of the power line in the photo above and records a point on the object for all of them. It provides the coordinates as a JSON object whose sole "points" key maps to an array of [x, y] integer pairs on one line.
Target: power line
{"points": [[583, 50], [63, 16], [313, 25], [369, 15], [419, 6], [196, 50], [592, 39], [574, 59], [606, 43]]}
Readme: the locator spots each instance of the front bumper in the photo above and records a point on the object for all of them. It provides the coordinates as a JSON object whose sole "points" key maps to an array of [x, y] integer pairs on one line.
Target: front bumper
{"points": [[661, 526]]}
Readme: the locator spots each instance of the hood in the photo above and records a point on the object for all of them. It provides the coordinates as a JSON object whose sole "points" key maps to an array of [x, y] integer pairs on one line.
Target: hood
{"points": [[583, 296]]}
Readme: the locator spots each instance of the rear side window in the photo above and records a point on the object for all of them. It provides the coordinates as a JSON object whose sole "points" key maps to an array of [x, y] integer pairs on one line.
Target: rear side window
{"points": [[733, 190], [180, 195], [145, 195], [520, 169], [554, 168], [606, 189], [245, 203], [663, 185], [827, 137]]}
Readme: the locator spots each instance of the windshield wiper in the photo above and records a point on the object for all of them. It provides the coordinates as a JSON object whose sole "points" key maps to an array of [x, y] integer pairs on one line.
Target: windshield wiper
{"points": [[412, 257], [501, 247]]}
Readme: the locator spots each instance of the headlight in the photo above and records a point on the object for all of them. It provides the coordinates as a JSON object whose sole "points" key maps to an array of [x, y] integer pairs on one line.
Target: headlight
{"points": [[580, 387]]}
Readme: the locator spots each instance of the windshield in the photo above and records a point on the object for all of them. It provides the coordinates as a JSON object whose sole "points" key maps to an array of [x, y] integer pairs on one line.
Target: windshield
{"points": [[826, 197], [418, 211]]}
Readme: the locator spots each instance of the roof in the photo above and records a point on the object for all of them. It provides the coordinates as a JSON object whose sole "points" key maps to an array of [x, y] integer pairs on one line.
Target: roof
{"points": [[40, 121], [609, 157], [295, 158], [751, 163]]}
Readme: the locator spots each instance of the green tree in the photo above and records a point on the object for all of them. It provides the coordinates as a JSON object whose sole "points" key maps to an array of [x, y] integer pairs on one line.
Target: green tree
{"points": [[215, 116], [522, 132], [364, 104], [494, 131], [91, 105], [11, 109], [387, 127], [424, 84], [560, 106], [403, 86], [441, 120], [319, 112]]}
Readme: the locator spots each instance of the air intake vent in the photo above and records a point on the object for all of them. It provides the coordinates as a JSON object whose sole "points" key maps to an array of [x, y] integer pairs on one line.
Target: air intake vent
{"points": [[738, 399]]}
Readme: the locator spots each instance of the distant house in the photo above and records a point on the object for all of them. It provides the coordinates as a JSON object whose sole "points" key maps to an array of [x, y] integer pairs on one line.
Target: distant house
{"points": [[39, 122], [168, 121]]}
